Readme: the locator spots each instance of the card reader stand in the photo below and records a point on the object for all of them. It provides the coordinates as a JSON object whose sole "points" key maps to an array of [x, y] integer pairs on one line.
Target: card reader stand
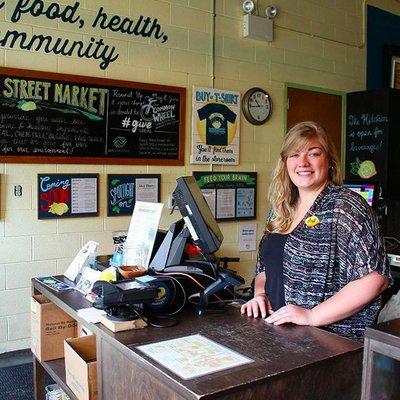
{"points": [[226, 278]]}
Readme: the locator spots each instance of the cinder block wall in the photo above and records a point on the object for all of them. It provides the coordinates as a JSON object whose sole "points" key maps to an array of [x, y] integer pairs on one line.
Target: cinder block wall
{"points": [[298, 54]]}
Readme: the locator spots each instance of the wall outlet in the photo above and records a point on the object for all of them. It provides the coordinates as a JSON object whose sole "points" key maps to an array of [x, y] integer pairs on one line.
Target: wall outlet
{"points": [[17, 190]]}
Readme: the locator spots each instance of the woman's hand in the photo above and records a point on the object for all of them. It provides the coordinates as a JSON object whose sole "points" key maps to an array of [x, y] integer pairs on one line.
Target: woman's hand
{"points": [[258, 304], [291, 313]]}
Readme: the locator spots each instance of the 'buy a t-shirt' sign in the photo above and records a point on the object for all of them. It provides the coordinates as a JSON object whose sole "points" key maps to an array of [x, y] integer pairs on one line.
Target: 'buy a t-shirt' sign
{"points": [[215, 126]]}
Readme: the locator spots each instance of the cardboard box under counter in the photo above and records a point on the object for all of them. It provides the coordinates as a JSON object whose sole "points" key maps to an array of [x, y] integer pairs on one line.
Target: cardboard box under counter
{"points": [[81, 366], [50, 326]]}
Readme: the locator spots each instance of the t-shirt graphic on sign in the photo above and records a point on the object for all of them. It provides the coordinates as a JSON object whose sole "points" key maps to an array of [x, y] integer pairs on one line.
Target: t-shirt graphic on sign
{"points": [[217, 117]]}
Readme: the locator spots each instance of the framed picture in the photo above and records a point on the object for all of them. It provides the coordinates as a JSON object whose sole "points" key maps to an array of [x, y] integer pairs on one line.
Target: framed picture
{"points": [[395, 73], [123, 190], [391, 67], [230, 195], [68, 195]]}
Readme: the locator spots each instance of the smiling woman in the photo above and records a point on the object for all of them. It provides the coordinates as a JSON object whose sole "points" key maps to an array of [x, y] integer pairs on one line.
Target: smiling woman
{"points": [[308, 167], [305, 146], [322, 260]]}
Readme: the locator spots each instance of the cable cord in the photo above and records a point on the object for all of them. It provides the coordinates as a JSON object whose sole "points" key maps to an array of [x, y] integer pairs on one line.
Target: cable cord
{"points": [[389, 242], [225, 301], [183, 294], [151, 319], [190, 277]]}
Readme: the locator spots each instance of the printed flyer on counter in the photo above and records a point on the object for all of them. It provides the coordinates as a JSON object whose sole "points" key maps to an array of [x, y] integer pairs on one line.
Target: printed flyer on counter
{"points": [[193, 356], [142, 233]]}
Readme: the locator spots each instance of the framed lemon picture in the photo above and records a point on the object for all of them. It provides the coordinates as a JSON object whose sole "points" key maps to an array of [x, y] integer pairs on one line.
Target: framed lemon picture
{"points": [[68, 195]]}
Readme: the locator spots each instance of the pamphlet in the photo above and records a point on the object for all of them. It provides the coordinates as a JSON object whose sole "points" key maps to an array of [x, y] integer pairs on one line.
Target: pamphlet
{"points": [[193, 356], [84, 254], [142, 233], [248, 237], [87, 279], [54, 283]]}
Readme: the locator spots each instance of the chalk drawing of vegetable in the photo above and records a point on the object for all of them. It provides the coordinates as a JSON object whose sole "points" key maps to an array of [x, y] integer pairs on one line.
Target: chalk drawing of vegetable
{"points": [[58, 208], [364, 169], [30, 105], [367, 169], [27, 105]]}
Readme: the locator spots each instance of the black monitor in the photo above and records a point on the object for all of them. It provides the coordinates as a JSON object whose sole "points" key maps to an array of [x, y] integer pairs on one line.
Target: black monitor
{"points": [[197, 215], [368, 190]]}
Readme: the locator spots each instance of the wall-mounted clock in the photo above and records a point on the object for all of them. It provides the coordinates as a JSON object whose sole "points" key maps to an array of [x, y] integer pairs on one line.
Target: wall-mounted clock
{"points": [[256, 106]]}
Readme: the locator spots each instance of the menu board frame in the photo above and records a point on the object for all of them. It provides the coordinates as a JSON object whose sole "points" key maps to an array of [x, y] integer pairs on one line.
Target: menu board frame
{"points": [[237, 190], [391, 66], [54, 190], [155, 154], [131, 199]]}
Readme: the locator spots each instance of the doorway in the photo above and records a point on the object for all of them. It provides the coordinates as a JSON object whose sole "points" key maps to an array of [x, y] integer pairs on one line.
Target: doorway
{"points": [[324, 106]]}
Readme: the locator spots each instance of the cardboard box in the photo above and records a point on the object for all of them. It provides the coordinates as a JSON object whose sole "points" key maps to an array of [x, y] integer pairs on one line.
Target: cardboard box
{"points": [[50, 326], [81, 366]]}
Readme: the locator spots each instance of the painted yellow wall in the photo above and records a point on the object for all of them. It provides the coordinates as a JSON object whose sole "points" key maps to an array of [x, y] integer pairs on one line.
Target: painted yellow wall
{"points": [[316, 43]]}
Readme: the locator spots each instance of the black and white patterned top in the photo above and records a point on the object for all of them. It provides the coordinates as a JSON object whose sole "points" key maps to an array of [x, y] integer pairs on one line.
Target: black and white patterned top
{"points": [[345, 245]]}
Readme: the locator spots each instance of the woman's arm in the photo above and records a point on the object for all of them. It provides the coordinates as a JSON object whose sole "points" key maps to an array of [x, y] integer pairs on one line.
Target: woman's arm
{"points": [[259, 303], [348, 301]]}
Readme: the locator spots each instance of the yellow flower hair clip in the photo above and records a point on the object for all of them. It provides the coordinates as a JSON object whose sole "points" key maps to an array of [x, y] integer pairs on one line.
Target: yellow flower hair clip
{"points": [[312, 221]]}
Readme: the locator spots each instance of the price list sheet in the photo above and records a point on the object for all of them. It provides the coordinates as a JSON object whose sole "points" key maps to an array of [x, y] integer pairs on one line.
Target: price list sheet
{"points": [[83, 195]]}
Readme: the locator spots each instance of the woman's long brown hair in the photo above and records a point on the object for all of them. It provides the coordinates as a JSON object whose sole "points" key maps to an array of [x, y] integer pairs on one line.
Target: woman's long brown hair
{"points": [[283, 194]]}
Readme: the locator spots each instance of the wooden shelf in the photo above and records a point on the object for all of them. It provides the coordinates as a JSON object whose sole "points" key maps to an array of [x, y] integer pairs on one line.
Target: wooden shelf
{"points": [[56, 369]]}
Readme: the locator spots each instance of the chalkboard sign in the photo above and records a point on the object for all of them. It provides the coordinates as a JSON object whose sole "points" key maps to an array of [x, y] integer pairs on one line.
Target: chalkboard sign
{"points": [[230, 195], [368, 128], [55, 118], [68, 195], [123, 190]]}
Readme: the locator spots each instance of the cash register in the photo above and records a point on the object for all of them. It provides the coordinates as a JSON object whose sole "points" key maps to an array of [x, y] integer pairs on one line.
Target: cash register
{"points": [[184, 268]]}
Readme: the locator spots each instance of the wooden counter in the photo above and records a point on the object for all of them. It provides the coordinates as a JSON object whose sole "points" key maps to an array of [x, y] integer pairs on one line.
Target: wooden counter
{"points": [[290, 362]]}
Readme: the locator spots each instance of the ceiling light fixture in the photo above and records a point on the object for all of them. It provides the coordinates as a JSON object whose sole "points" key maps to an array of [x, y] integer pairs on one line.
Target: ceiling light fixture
{"points": [[248, 6], [271, 12]]}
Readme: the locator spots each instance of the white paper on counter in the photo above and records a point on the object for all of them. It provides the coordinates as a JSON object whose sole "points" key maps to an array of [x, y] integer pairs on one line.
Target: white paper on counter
{"points": [[193, 356], [91, 314]]}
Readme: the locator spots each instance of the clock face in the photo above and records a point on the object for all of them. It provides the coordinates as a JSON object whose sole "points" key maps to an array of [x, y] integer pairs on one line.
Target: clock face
{"points": [[257, 106]]}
